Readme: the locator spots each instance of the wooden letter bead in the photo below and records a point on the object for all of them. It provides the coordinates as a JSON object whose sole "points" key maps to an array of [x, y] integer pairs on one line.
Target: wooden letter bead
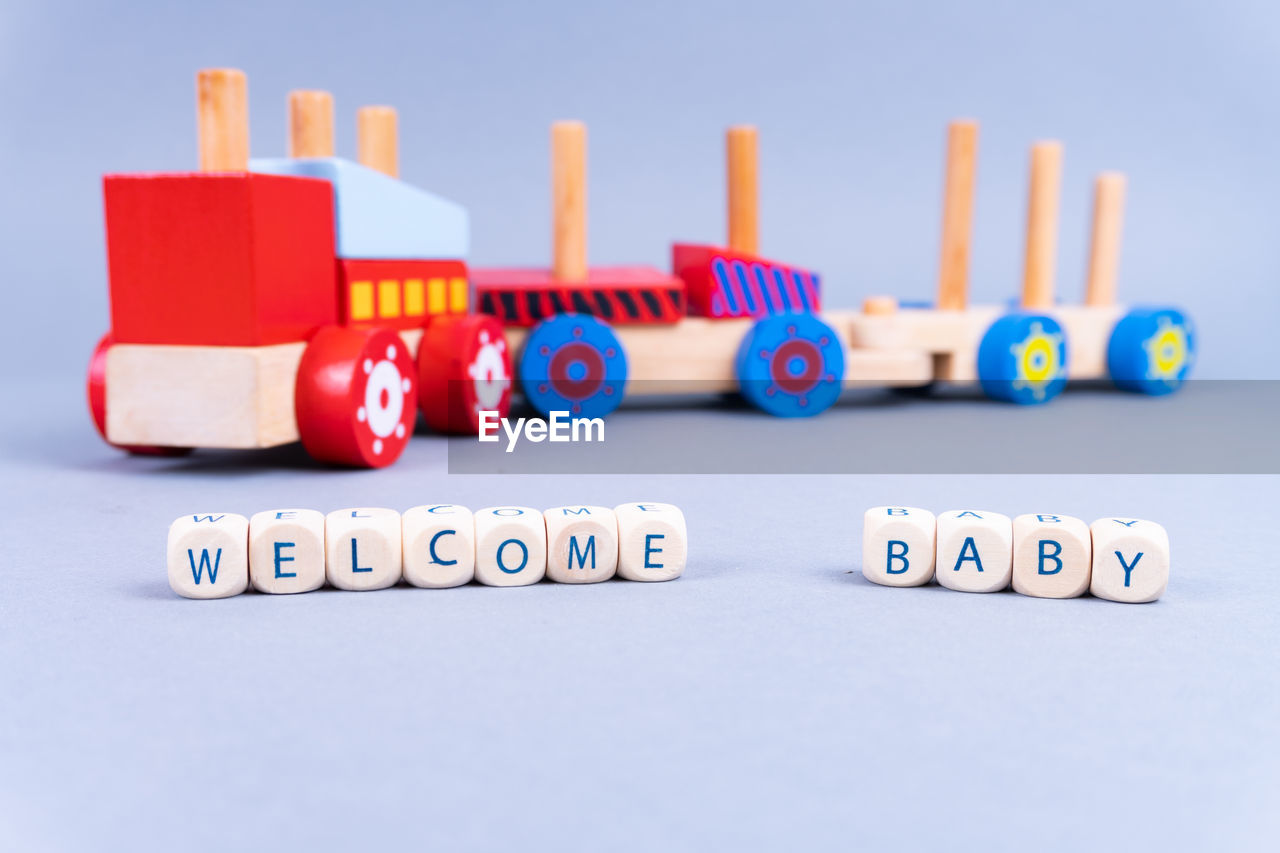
{"points": [[511, 546], [898, 545], [653, 541], [975, 550], [208, 555], [1052, 556], [362, 548], [582, 544], [439, 546], [286, 550], [1130, 560]]}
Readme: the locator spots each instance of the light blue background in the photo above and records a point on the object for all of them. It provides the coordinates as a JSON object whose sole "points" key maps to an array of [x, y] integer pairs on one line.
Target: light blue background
{"points": [[852, 102], [770, 698]]}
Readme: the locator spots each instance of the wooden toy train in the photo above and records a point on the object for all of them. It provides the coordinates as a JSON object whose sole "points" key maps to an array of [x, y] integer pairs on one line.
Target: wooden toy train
{"points": [[260, 302]]}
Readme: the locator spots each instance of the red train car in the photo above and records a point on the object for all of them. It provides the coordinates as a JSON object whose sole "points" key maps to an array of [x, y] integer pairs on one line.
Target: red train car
{"points": [[255, 303]]}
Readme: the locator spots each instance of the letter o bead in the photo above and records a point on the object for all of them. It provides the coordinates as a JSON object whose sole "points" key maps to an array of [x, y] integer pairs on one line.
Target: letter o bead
{"points": [[582, 544], [653, 541], [898, 545], [286, 550], [362, 548], [439, 545], [511, 546], [1130, 560], [208, 555], [1052, 556]]}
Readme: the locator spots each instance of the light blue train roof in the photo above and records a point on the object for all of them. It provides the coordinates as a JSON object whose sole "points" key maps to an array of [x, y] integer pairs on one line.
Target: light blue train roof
{"points": [[379, 216]]}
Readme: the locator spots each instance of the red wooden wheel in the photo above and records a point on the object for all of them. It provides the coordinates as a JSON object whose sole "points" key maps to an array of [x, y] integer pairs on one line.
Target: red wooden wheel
{"points": [[356, 398], [96, 387], [463, 367]]}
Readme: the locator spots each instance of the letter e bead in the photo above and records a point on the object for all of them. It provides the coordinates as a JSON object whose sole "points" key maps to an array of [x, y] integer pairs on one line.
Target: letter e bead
{"points": [[286, 550], [652, 541]]}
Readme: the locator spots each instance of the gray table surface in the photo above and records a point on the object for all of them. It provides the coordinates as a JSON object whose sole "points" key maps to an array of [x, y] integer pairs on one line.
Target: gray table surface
{"points": [[770, 698]]}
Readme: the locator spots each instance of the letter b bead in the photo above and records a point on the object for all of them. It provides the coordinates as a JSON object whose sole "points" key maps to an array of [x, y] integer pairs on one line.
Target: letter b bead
{"points": [[898, 545], [1051, 556]]}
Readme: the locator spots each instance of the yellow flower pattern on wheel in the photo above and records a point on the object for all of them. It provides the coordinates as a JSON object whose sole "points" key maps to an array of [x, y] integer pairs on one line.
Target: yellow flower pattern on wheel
{"points": [[1037, 360]]}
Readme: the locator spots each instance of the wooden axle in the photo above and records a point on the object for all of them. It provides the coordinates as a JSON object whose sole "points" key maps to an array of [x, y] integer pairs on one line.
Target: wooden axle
{"points": [[569, 200], [742, 157], [310, 123], [957, 215], [222, 120], [377, 143], [1104, 248], [1042, 225]]}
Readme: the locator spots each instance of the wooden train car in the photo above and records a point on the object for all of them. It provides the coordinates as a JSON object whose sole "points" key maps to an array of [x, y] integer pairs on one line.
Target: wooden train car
{"points": [[257, 303], [757, 326], [260, 302]]}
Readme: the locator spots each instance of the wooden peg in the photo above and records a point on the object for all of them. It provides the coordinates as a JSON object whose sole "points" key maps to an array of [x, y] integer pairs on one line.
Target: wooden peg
{"points": [[569, 200], [310, 124], [879, 306], [222, 117], [377, 145], [1042, 225], [743, 161], [957, 214], [1104, 250]]}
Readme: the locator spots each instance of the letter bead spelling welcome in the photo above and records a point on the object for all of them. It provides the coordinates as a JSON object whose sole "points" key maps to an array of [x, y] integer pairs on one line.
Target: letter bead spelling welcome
{"points": [[286, 550], [362, 548], [652, 541], [281, 551], [511, 546], [439, 546], [582, 544], [209, 555]]}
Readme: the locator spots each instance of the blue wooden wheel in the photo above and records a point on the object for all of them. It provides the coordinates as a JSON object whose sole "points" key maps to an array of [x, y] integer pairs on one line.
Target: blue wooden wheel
{"points": [[791, 365], [1023, 359], [573, 363], [1151, 351]]}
